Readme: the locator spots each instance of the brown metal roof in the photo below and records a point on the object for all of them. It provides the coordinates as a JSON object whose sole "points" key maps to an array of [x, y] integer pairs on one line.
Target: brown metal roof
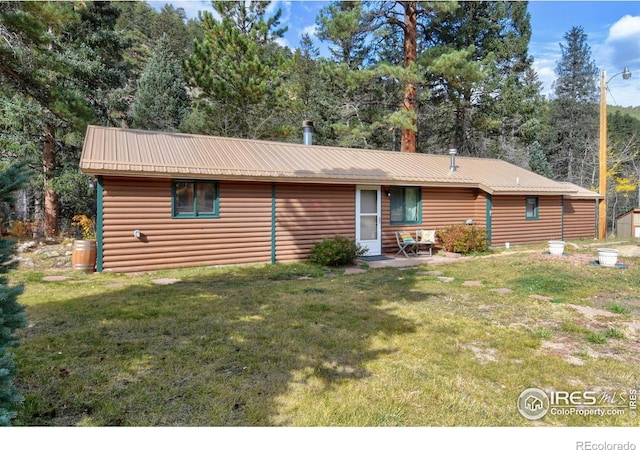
{"points": [[121, 151], [580, 192]]}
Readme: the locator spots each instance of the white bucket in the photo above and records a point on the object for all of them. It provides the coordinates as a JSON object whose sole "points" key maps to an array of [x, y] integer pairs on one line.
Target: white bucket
{"points": [[607, 257], [556, 247]]}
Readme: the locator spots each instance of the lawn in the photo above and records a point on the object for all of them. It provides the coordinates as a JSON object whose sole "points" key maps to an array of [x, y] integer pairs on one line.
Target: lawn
{"points": [[300, 345]]}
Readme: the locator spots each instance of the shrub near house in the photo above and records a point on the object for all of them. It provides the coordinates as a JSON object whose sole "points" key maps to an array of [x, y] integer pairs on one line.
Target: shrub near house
{"points": [[462, 238], [337, 251]]}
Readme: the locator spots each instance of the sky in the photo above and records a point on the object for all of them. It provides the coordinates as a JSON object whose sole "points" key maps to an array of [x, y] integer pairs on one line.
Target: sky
{"points": [[612, 29]]}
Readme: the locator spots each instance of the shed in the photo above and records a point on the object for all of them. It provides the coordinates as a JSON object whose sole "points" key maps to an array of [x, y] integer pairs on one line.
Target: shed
{"points": [[174, 200], [628, 224]]}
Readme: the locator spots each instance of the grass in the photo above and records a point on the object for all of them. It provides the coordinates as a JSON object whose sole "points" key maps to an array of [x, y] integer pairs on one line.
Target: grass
{"points": [[618, 309], [299, 345]]}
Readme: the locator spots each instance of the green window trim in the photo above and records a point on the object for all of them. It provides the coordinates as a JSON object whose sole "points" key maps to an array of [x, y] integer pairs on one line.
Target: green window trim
{"points": [[195, 199], [532, 209], [408, 202]]}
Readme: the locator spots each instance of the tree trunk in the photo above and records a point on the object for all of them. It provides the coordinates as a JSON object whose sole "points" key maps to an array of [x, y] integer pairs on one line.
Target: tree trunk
{"points": [[410, 56], [50, 197]]}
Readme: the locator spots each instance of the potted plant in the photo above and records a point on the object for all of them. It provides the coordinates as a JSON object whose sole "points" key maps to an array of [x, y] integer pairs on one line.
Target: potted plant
{"points": [[84, 254]]}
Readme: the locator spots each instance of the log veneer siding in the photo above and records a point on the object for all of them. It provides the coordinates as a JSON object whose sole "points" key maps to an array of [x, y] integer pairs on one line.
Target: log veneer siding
{"points": [[243, 232]]}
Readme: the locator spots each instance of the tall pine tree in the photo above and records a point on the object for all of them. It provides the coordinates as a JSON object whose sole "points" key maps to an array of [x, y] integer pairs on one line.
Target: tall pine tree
{"points": [[573, 140], [377, 21], [481, 82]]}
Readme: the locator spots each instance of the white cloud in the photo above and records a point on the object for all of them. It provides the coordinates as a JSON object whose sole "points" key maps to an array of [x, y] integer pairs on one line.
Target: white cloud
{"points": [[310, 30], [627, 27], [285, 6], [191, 7], [623, 42], [546, 74]]}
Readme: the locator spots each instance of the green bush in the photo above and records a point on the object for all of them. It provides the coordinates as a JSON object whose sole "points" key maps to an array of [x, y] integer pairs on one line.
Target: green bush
{"points": [[337, 251], [462, 238]]}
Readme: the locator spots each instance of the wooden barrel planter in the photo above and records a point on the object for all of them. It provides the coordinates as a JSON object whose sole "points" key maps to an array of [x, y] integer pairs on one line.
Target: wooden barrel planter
{"points": [[83, 258]]}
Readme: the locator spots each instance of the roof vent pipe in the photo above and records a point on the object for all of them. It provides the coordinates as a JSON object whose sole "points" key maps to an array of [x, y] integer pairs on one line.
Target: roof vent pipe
{"points": [[307, 132], [453, 152]]}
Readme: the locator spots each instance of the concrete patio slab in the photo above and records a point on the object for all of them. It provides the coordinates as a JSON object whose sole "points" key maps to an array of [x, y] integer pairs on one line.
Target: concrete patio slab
{"points": [[540, 297], [592, 312], [55, 278], [398, 262], [503, 290], [165, 281]]}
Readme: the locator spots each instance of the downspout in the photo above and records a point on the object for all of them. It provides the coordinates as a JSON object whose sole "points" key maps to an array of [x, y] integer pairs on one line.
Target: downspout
{"points": [[488, 219], [562, 218], [595, 217], [99, 224], [273, 222]]}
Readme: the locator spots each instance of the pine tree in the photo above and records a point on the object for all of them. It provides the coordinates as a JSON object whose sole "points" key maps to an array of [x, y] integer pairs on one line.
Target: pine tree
{"points": [[573, 141], [341, 23], [483, 77], [538, 160], [161, 99], [239, 71], [11, 312], [68, 59], [361, 27]]}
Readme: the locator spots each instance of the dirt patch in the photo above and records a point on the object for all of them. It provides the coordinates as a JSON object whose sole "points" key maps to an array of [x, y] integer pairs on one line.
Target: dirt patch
{"points": [[565, 349], [482, 355], [627, 254], [626, 304], [576, 350], [578, 259], [618, 338]]}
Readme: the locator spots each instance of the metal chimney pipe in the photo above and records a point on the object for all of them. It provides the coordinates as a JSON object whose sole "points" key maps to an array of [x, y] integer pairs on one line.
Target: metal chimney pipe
{"points": [[453, 152], [307, 132]]}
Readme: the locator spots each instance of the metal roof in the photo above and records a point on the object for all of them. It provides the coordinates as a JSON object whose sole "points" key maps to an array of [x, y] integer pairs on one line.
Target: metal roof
{"points": [[128, 152]]}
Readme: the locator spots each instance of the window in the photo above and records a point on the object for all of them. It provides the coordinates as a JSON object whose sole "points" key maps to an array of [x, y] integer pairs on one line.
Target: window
{"points": [[406, 205], [195, 198], [532, 208]]}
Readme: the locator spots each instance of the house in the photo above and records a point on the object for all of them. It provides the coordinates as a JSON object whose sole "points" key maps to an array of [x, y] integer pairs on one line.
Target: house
{"points": [[175, 200], [628, 224]]}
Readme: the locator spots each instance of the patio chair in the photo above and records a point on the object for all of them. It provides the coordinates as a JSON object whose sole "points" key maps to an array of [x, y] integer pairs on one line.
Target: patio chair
{"points": [[425, 238], [405, 243]]}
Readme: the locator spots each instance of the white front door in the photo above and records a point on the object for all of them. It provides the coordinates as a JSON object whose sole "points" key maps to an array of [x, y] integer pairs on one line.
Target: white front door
{"points": [[368, 222]]}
